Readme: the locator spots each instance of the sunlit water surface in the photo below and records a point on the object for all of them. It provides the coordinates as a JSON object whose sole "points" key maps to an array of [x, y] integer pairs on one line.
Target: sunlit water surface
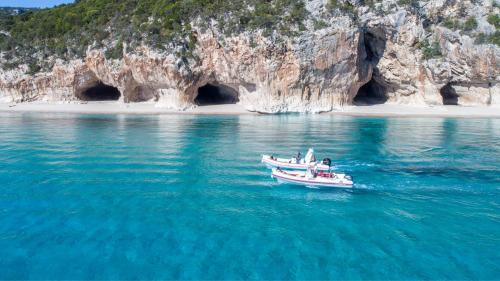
{"points": [[186, 197]]}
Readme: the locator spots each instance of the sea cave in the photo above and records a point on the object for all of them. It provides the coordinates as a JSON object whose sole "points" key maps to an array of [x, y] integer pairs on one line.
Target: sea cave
{"points": [[449, 95], [100, 92], [371, 93], [213, 94]]}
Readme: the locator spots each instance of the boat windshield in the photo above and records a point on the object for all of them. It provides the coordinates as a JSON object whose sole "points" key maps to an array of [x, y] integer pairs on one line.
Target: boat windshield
{"points": [[310, 156]]}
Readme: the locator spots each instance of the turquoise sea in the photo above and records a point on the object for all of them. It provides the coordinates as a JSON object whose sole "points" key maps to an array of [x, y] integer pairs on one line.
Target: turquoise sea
{"points": [[186, 197]]}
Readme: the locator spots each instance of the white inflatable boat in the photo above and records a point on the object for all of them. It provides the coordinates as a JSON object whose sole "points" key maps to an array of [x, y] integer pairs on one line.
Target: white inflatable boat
{"points": [[313, 179], [296, 163]]}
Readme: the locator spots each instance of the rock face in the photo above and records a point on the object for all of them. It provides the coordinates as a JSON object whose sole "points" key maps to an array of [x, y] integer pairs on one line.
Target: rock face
{"points": [[372, 59]]}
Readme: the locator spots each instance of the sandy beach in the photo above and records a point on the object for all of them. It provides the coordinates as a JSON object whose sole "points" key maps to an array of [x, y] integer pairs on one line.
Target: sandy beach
{"points": [[119, 108], [420, 111], [151, 108]]}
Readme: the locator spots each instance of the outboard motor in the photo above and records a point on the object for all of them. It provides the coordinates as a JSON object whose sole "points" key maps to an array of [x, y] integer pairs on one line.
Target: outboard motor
{"points": [[327, 161]]}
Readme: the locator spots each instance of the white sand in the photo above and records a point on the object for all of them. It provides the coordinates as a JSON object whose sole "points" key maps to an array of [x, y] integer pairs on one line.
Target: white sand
{"points": [[420, 111], [118, 108], [150, 108]]}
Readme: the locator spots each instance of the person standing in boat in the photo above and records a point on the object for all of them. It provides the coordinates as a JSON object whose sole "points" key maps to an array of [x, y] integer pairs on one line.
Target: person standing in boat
{"points": [[310, 158], [312, 171], [296, 159]]}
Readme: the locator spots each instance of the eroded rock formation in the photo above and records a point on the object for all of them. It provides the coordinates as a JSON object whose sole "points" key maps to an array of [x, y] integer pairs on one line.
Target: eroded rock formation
{"points": [[373, 59]]}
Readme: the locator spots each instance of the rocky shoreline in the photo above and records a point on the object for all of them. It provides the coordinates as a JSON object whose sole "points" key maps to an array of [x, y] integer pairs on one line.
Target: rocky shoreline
{"points": [[326, 69]]}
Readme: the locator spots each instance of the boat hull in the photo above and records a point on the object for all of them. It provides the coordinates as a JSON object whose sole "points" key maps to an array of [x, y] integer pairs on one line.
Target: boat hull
{"points": [[298, 178], [272, 162]]}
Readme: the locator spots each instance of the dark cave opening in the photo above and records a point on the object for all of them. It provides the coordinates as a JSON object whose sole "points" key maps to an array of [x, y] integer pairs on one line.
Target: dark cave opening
{"points": [[212, 94], [372, 45], [371, 93], [100, 92], [449, 95]]}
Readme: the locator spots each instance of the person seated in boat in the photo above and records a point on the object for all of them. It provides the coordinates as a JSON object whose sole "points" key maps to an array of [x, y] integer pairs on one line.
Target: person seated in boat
{"points": [[299, 156]]}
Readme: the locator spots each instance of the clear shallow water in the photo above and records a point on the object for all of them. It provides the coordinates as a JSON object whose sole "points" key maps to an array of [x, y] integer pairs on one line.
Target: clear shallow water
{"points": [[126, 197]]}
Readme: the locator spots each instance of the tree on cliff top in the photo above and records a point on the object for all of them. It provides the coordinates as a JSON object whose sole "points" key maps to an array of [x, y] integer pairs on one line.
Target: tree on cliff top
{"points": [[68, 30]]}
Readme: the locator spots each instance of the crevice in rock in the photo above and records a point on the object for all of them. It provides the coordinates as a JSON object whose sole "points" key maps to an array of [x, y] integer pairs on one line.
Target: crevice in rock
{"points": [[449, 95], [371, 49], [141, 93], [374, 40], [212, 94], [100, 92], [371, 93]]}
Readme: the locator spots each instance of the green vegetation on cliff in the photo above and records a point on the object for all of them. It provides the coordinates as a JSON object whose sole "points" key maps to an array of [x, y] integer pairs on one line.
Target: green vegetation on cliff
{"points": [[32, 37], [68, 30], [430, 50]]}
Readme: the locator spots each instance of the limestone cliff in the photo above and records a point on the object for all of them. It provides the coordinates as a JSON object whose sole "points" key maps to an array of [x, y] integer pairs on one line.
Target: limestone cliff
{"points": [[387, 53]]}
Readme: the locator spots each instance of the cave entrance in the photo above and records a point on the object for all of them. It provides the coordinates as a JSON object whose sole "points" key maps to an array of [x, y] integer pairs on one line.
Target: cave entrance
{"points": [[213, 94], [100, 92], [449, 95], [372, 47], [371, 93]]}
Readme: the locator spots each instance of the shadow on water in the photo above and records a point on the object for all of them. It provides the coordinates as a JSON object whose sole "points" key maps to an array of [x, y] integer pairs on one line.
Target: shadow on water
{"points": [[209, 144], [368, 137], [449, 132]]}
